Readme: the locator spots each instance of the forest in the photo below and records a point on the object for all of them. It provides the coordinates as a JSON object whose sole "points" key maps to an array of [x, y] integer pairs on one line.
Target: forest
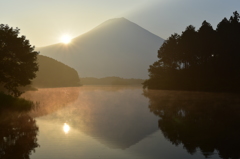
{"points": [[206, 59]]}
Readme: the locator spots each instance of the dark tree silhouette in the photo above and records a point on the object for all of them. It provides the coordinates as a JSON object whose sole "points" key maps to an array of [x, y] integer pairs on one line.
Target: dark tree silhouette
{"points": [[205, 59], [17, 60]]}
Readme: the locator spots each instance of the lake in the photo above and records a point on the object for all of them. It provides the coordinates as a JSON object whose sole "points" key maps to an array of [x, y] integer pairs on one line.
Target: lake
{"points": [[108, 122]]}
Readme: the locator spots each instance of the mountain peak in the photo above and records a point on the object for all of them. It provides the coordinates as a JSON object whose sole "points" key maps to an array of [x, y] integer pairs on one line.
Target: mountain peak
{"points": [[117, 47], [119, 26], [113, 21], [116, 19]]}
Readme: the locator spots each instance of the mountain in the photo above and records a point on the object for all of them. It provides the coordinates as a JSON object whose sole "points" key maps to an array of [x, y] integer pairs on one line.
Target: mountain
{"points": [[53, 73], [117, 47]]}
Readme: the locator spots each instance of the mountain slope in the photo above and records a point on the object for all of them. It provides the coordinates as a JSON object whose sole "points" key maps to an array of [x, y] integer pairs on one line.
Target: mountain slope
{"points": [[116, 47], [53, 73]]}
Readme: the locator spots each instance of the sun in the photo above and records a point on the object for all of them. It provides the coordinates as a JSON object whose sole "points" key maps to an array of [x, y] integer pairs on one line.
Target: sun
{"points": [[66, 128], [66, 39]]}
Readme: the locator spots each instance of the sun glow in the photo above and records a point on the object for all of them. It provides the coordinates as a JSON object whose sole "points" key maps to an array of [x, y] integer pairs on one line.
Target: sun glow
{"points": [[66, 128], [66, 39]]}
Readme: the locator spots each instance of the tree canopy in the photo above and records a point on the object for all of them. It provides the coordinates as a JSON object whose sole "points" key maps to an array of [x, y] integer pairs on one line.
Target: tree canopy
{"points": [[17, 60], [203, 59]]}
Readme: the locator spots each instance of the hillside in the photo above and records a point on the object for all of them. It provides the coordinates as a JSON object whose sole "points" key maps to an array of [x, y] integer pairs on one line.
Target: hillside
{"points": [[116, 47], [110, 81], [53, 73]]}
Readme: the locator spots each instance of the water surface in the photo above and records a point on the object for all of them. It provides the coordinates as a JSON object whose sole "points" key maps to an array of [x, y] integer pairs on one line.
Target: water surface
{"points": [[127, 123]]}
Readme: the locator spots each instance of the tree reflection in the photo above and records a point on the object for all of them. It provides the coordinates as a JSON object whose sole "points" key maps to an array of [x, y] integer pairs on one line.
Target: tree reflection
{"points": [[197, 120], [18, 133]]}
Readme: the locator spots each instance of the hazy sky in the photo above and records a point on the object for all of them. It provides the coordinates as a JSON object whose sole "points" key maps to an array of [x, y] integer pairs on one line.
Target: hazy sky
{"points": [[45, 21]]}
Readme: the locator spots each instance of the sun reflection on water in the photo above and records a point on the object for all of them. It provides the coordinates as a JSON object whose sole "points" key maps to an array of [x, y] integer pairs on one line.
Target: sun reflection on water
{"points": [[66, 128]]}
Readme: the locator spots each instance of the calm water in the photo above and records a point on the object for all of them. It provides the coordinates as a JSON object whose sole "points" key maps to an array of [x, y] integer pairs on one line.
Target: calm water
{"points": [[124, 123]]}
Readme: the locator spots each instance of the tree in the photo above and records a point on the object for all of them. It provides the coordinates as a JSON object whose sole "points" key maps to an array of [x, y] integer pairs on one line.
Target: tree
{"points": [[205, 59], [187, 46], [168, 53], [17, 60], [206, 43]]}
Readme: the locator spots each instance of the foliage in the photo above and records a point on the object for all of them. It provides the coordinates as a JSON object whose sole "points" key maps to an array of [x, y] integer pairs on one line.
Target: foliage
{"points": [[9, 102], [205, 59], [17, 60]]}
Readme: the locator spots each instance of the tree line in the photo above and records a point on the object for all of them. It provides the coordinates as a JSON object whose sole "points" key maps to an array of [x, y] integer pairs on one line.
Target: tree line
{"points": [[110, 81], [203, 59]]}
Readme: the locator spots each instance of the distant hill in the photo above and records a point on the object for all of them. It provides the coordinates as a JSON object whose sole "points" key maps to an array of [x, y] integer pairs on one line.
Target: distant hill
{"points": [[117, 47], [110, 81], [53, 73]]}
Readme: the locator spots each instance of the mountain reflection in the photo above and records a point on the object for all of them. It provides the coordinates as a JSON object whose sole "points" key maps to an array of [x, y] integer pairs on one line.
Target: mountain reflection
{"points": [[197, 120], [115, 116], [17, 136]]}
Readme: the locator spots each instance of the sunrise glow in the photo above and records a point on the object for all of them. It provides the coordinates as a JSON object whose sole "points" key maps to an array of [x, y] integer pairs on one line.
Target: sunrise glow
{"points": [[66, 39], [66, 128]]}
